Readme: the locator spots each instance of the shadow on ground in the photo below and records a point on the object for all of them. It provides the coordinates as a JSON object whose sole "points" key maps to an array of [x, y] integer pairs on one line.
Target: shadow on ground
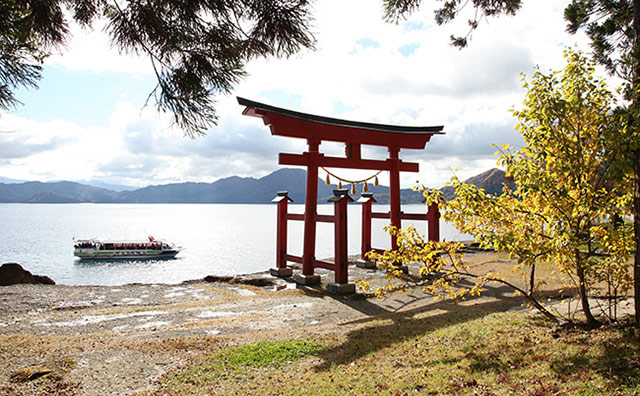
{"points": [[404, 324]]}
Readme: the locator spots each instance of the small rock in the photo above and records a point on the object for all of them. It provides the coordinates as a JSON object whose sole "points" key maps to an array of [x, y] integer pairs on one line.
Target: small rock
{"points": [[259, 282], [44, 280], [13, 273]]}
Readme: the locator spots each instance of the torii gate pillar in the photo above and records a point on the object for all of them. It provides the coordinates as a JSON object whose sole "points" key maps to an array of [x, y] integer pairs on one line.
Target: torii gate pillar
{"points": [[394, 192], [310, 213]]}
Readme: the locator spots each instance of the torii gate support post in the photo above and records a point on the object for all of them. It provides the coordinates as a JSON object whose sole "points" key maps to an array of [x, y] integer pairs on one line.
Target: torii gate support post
{"points": [[433, 221], [341, 259], [281, 270], [394, 193], [366, 199], [395, 209], [310, 213]]}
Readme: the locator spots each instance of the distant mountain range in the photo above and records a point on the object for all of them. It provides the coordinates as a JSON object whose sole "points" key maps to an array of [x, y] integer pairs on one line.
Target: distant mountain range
{"points": [[491, 181], [229, 190], [7, 180]]}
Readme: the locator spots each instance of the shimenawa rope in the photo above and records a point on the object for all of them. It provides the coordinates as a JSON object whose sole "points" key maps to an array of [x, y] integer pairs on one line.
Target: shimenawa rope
{"points": [[353, 183]]}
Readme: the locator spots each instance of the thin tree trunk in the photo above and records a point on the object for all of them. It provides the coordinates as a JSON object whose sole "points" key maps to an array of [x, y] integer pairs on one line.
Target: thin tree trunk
{"points": [[532, 276], [636, 159], [584, 298], [610, 293], [636, 231]]}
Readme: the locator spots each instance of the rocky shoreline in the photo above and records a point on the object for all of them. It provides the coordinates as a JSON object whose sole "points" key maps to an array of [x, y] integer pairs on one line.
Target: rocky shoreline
{"points": [[117, 336], [13, 273], [121, 339]]}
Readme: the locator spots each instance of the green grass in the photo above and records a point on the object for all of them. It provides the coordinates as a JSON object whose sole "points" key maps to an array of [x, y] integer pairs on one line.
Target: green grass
{"points": [[456, 352], [269, 353], [241, 362]]}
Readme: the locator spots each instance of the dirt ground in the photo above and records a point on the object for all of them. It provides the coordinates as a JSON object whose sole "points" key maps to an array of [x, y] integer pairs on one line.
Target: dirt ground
{"points": [[121, 339]]}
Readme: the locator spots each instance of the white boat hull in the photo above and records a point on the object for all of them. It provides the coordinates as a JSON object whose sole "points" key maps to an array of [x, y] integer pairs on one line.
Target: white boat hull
{"points": [[125, 255], [94, 249]]}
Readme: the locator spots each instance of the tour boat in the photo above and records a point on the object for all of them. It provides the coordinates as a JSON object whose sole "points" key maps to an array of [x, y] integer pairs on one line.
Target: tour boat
{"points": [[95, 249]]}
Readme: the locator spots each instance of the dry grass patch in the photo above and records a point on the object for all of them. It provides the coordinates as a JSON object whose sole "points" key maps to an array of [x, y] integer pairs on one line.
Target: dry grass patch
{"points": [[235, 320], [48, 365], [499, 262], [37, 368], [453, 351], [55, 369]]}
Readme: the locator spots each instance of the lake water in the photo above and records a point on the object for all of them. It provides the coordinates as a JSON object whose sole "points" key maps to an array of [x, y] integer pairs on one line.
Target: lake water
{"points": [[218, 239]]}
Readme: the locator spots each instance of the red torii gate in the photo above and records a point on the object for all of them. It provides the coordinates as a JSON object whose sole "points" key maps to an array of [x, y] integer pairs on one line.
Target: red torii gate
{"points": [[315, 129]]}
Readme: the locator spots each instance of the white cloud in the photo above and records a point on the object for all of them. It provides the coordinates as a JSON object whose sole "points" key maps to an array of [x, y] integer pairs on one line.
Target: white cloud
{"points": [[138, 148], [92, 50], [468, 91], [71, 151], [16, 145]]}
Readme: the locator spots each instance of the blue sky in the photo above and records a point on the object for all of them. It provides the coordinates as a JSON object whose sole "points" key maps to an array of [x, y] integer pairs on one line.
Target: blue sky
{"points": [[87, 121], [84, 96]]}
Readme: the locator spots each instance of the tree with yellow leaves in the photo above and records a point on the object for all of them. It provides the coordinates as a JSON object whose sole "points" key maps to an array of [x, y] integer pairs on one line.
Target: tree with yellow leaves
{"points": [[571, 194]]}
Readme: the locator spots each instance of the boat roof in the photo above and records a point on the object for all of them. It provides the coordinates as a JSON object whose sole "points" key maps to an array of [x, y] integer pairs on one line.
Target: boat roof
{"points": [[118, 240]]}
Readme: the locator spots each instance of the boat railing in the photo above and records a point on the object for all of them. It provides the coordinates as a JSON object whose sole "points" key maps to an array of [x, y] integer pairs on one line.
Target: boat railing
{"points": [[133, 246]]}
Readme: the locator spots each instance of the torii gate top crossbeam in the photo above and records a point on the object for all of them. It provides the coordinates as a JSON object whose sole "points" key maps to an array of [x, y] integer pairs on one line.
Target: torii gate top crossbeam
{"points": [[283, 122]]}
